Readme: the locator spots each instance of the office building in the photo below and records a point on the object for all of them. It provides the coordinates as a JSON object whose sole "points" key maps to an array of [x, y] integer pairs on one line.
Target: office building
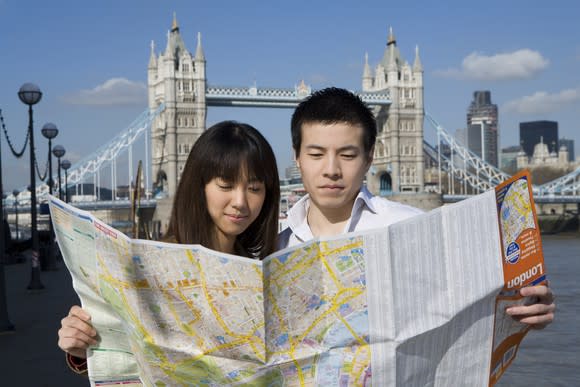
{"points": [[569, 144], [508, 159], [482, 127], [535, 132]]}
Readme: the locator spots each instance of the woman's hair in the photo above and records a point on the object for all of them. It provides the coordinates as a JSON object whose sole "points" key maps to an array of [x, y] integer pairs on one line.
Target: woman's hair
{"points": [[231, 151]]}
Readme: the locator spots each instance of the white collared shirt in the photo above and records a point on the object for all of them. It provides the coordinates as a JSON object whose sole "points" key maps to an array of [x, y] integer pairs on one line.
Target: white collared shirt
{"points": [[368, 212]]}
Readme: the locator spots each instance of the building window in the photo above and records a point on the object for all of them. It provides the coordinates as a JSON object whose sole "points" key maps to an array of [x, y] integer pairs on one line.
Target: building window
{"points": [[185, 67], [186, 86]]}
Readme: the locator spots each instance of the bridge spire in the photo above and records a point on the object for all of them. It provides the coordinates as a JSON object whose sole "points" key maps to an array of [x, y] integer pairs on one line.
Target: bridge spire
{"points": [[152, 57], [367, 68], [391, 39], [417, 66], [174, 25], [199, 50]]}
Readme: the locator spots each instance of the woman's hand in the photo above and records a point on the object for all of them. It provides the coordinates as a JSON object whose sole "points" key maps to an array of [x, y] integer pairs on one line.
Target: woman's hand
{"points": [[76, 333]]}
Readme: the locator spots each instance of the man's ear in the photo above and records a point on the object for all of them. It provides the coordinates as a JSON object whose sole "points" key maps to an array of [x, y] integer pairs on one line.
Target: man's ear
{"points": [[297, 160]]}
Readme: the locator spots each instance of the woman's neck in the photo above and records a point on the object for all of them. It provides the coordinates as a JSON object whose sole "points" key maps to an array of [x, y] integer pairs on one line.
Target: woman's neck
{"points": [[225, 244]]}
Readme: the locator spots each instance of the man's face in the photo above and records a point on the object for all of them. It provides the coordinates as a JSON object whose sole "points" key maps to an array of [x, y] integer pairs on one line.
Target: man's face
{"points": [[333, 164]]}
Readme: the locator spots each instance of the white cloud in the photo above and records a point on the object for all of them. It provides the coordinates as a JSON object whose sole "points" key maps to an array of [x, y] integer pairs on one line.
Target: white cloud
{"points": [[542, 102], [520, 64], [114, 91]]}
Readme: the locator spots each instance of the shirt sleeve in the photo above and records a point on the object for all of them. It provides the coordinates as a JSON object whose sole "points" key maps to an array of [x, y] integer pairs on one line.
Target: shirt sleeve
{"points": [[76, 364]]}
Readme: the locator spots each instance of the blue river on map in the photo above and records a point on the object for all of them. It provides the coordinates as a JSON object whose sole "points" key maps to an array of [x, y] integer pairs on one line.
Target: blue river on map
{"points": [[337, 337]]}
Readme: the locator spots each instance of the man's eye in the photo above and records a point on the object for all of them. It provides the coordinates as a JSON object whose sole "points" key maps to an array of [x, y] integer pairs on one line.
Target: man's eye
{"points": [[315, 155], [348, 156]]}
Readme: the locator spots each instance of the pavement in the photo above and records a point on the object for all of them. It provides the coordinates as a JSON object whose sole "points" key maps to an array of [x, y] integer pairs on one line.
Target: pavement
{"points": [[29, 356]]}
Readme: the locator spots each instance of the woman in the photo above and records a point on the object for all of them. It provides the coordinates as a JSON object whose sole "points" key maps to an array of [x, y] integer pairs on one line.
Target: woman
{"points": [[227, 200]]}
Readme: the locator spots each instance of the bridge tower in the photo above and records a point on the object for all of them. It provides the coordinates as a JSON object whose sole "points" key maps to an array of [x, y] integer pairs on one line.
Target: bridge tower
{"points": [[177, 79], [398, 157]]}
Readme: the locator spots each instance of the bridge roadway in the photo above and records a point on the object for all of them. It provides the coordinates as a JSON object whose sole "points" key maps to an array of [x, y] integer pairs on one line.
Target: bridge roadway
{"points": [[125, 204], [118, 213]]}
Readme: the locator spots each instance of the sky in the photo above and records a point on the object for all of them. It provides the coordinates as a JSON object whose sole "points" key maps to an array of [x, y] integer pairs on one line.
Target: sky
{"points": [[90, 59]]}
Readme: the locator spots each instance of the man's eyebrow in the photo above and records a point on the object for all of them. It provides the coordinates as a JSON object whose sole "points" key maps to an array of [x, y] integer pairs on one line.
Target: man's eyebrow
{"points": [[315, 147], [353, 148]]}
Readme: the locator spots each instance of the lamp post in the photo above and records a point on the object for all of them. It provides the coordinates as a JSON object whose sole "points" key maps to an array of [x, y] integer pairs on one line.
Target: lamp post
{"points": [[30, 94], [15, 193], [5, 324], [65, 164], [58, 151], [50, 131]]}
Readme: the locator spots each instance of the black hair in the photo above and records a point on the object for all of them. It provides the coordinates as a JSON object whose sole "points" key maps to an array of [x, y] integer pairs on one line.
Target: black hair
{"points": [[330, 106]]}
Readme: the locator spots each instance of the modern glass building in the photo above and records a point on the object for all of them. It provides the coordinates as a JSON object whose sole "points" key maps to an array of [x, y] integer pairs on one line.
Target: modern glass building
{"points": [[482, 127], [570, 145], [531, 133]]}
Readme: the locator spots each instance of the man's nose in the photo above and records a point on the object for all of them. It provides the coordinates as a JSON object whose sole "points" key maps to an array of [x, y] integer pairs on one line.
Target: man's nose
{"points": [[332, 167]]}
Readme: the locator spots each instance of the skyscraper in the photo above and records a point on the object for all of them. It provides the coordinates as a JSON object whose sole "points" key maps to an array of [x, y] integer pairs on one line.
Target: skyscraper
{"points": [[569, 143], [532, 132], [482, 133]]}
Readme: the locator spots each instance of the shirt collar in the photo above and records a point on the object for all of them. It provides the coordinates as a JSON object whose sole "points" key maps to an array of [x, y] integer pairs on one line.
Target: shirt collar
{"points": [[297, 219], [363, 197], [297, 216]]}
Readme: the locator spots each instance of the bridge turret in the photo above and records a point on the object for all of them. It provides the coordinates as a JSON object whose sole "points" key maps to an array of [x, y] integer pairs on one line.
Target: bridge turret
{"points": [[398, 164]]}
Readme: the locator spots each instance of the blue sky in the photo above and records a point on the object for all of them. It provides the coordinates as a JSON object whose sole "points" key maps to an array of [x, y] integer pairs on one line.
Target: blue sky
{"points": [[90, 60]]}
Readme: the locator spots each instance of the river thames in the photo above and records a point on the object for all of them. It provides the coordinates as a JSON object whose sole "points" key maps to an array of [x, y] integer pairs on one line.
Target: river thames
{"points": [[551, 357]]}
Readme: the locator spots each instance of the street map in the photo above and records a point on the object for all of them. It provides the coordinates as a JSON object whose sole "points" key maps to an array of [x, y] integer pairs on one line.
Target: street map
{"points": [[354, 310]]}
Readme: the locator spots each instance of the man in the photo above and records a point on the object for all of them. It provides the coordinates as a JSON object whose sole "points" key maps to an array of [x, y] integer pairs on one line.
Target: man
{"points": [[333, 137]]}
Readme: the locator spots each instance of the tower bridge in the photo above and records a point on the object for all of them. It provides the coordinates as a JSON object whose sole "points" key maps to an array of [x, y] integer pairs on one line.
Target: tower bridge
{"points": [[179, 96]]}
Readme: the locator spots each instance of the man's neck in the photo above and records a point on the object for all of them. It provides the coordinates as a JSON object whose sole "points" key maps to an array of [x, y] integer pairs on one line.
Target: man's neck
{"points": [[328, 222]]}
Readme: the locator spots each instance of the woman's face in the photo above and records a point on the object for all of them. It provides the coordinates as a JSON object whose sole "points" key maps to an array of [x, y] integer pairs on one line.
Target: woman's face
{"points": [[233, 207]]}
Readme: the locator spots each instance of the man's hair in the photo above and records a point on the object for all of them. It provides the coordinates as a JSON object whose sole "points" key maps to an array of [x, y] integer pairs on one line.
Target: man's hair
{"points": [[330, 106], [232, 151]]}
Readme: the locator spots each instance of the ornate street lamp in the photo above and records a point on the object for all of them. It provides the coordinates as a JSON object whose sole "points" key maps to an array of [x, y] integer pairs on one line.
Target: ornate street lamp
{"points": [[50, 131], [58, 151], [65, 164], [30, 94]]}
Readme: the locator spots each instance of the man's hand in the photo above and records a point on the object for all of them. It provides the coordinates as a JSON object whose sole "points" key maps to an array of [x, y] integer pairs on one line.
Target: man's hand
{"points": [[76, 333], [540, 312]]}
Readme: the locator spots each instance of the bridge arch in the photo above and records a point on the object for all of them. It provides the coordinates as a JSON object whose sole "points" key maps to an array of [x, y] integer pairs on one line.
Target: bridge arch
{"points": [[385, 184]]}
